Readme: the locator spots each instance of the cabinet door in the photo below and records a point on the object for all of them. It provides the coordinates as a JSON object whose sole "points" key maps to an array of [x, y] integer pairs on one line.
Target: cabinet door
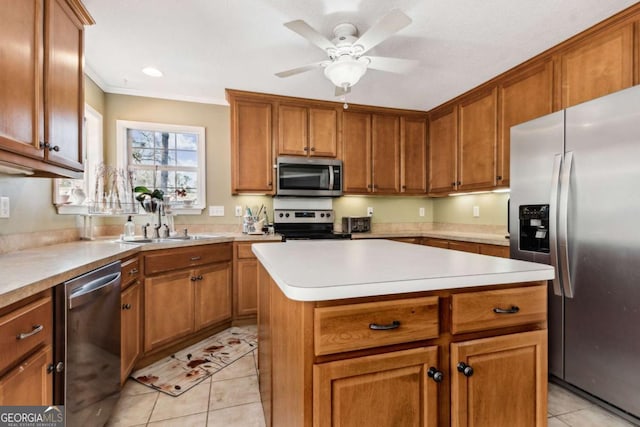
{"points": [[292, 130], [212, 295], [130, 329], [356, 149], [21, 59], [464, 246], [168, 308], [385, 153], [323, 132], [251, 133], [600, 65], [413, 148], [29, 383], [522, 98], [246, 288], [395, 385], [508, 385], [477, 142], [436, 243], [495, 250], [64, 79], [443, 140]]}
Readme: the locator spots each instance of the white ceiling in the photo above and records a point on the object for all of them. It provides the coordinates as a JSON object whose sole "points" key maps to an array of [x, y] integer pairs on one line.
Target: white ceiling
{"points": [[205, 46]]}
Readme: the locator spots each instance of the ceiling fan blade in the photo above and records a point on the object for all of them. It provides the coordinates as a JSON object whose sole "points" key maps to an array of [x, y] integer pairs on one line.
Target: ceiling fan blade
{"points": [[390, 24], [306, 31], [302, 69], [342, 91], [392, 65]]}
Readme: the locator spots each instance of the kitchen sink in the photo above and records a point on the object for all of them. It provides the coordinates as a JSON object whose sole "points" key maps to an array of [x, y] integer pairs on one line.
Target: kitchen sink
{"points": [[173, 239]]}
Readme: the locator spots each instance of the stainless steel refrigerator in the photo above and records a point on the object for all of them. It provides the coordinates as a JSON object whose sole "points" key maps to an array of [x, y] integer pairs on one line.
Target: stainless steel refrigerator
{"points": [[575, 204]]}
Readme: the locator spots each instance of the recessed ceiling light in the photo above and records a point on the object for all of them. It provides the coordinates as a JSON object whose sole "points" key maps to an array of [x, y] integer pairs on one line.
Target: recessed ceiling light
{"points": [[153, 72]]}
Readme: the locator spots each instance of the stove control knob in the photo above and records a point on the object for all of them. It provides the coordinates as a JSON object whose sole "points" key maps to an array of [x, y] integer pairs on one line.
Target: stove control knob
{"points": [[321, 215], [328, 214], [287, 214], [280, 214]]}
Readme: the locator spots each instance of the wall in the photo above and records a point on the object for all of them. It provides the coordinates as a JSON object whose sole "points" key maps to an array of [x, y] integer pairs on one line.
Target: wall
{"points": [[459, 209]]}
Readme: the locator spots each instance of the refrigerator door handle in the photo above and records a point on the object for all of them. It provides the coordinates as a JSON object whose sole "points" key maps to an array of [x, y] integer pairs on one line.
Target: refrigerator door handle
{"points": [[553, 221], [563, 233]]}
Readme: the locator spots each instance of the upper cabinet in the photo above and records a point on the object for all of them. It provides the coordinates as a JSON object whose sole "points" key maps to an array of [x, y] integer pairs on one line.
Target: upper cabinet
{"points": [[41, 115], [597, 65], [356, 142], [385, 153], [251, 135], [443, 148], [522, 97], [477, 141], [413, 155], [307, 131]]}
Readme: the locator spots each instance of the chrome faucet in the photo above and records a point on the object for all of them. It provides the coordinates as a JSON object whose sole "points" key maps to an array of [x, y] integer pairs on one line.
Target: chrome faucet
{"points": [[165, 232], [144, 230]]}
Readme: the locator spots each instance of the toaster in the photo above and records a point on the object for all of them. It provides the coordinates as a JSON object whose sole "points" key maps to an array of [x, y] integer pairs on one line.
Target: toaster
{"points": [[356, 224]]}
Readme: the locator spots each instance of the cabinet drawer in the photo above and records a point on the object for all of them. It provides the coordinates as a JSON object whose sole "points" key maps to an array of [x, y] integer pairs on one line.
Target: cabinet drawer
{"points": [[353, 327], [244, 251], [495, 250], [130, 271], [465, 246], [175, 259], [24, 329], [476, 311]]}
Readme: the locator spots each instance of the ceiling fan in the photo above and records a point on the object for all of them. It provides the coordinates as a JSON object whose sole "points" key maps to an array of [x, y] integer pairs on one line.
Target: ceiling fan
{"points": [[347, 62]]}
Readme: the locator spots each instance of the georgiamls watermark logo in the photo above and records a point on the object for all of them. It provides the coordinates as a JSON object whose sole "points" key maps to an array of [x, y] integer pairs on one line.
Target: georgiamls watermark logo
{"points": [[31, 416]]}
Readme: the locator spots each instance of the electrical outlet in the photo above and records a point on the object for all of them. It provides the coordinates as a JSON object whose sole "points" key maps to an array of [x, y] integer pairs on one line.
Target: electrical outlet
{"points": [[238, 210], [476, 211], [421, 211], [216, 210], [369, 211], [4, 207]]}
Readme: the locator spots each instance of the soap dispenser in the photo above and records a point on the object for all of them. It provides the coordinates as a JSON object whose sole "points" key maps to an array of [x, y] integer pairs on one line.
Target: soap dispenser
{"points": [[129, 228]]}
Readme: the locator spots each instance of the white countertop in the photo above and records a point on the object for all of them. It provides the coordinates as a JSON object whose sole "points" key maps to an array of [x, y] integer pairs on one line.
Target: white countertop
{"points": [[319, 270]]}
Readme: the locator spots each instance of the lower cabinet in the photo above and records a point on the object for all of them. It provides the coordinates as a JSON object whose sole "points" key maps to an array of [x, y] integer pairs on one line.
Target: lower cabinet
{"points": [[130, 329], [177, 304], [185, 290], [29, 383], [383, 390], [500, 381], [476, 248]]}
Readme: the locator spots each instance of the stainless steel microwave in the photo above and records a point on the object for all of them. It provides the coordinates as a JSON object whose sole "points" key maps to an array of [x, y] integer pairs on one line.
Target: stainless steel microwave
{"points": [[304, 176]]}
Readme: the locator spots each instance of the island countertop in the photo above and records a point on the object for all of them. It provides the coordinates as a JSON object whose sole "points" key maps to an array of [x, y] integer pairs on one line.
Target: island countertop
{"points": [[321, 270]]}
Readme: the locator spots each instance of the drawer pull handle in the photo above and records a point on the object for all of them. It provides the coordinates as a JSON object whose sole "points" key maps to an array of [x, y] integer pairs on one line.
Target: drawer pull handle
{"points": [[36, 329], [393, 325], [133, 271], [434, 374], [513, 310], [195, 258], [466, 370]]}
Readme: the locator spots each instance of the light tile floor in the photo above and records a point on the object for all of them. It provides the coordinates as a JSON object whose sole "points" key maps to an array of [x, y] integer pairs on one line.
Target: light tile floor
{"points": [[230, 398]]}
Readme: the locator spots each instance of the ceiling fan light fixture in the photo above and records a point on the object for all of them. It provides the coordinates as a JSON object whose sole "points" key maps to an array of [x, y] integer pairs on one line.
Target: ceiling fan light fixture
{"points": [[346, 71]]}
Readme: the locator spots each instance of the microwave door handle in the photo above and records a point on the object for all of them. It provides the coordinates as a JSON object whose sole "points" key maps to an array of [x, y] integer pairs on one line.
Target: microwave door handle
{"points": [[331, 178]]}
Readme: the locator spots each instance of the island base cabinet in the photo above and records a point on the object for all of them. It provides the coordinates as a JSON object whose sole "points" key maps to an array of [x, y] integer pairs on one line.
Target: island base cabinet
{"points": [[504, 384], [383, 390]]}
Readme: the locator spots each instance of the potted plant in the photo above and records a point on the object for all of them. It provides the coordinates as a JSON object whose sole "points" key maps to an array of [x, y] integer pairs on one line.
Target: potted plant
{"points": [[150, 200]]}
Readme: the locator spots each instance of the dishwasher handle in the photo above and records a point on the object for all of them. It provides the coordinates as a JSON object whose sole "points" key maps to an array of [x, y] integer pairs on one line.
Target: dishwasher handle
{"points": [[93, 290]]}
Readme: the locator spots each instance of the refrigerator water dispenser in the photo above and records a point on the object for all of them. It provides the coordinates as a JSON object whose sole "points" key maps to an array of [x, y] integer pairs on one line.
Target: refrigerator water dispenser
{"points": [[534, 228]]}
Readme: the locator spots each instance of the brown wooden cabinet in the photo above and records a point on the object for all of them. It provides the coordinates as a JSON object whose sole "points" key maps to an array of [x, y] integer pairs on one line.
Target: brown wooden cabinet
{"points": [[371, 150], [389, 389], [26, 359], [413, 155], [486, 396], [477, 141], [245, 281], [251, 149], [307, 131], [43, 102], [523, 96], [130, 316], [443, 151], [185, 290], [596, 66], [476, 248]]}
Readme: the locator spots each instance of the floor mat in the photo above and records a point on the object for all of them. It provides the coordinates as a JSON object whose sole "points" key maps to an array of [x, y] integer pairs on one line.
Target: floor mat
{"points": [[181, 371]]}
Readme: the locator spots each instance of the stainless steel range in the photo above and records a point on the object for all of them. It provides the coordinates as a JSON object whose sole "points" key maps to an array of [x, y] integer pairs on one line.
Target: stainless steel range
{"points": [[306, 224]]}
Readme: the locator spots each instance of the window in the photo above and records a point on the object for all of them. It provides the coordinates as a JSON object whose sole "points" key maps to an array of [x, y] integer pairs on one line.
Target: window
{"points": [[167, 157]]}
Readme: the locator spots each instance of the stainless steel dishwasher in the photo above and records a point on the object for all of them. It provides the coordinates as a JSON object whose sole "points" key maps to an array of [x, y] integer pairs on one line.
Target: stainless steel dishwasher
{"points": [[92, 360]]}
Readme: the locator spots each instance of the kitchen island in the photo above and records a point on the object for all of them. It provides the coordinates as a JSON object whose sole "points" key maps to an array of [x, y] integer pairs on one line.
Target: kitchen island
{"points": [[385, 333]]}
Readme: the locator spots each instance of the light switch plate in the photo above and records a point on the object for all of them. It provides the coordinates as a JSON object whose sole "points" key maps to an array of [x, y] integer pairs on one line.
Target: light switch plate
{"points": [[421, 211], [238, 210], [369, 211], [476, 211], [4, 207]]}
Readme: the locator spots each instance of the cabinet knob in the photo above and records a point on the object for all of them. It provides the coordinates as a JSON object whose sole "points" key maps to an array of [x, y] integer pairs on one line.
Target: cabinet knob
{"points": [[199, 277], [453, 184], [126, 306], [499, 177], [459, 183], [306, 149], [50, 368], [313, 149], [194, 278], [133, 271], [435, 374], [466, 370], [54, 148]]}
